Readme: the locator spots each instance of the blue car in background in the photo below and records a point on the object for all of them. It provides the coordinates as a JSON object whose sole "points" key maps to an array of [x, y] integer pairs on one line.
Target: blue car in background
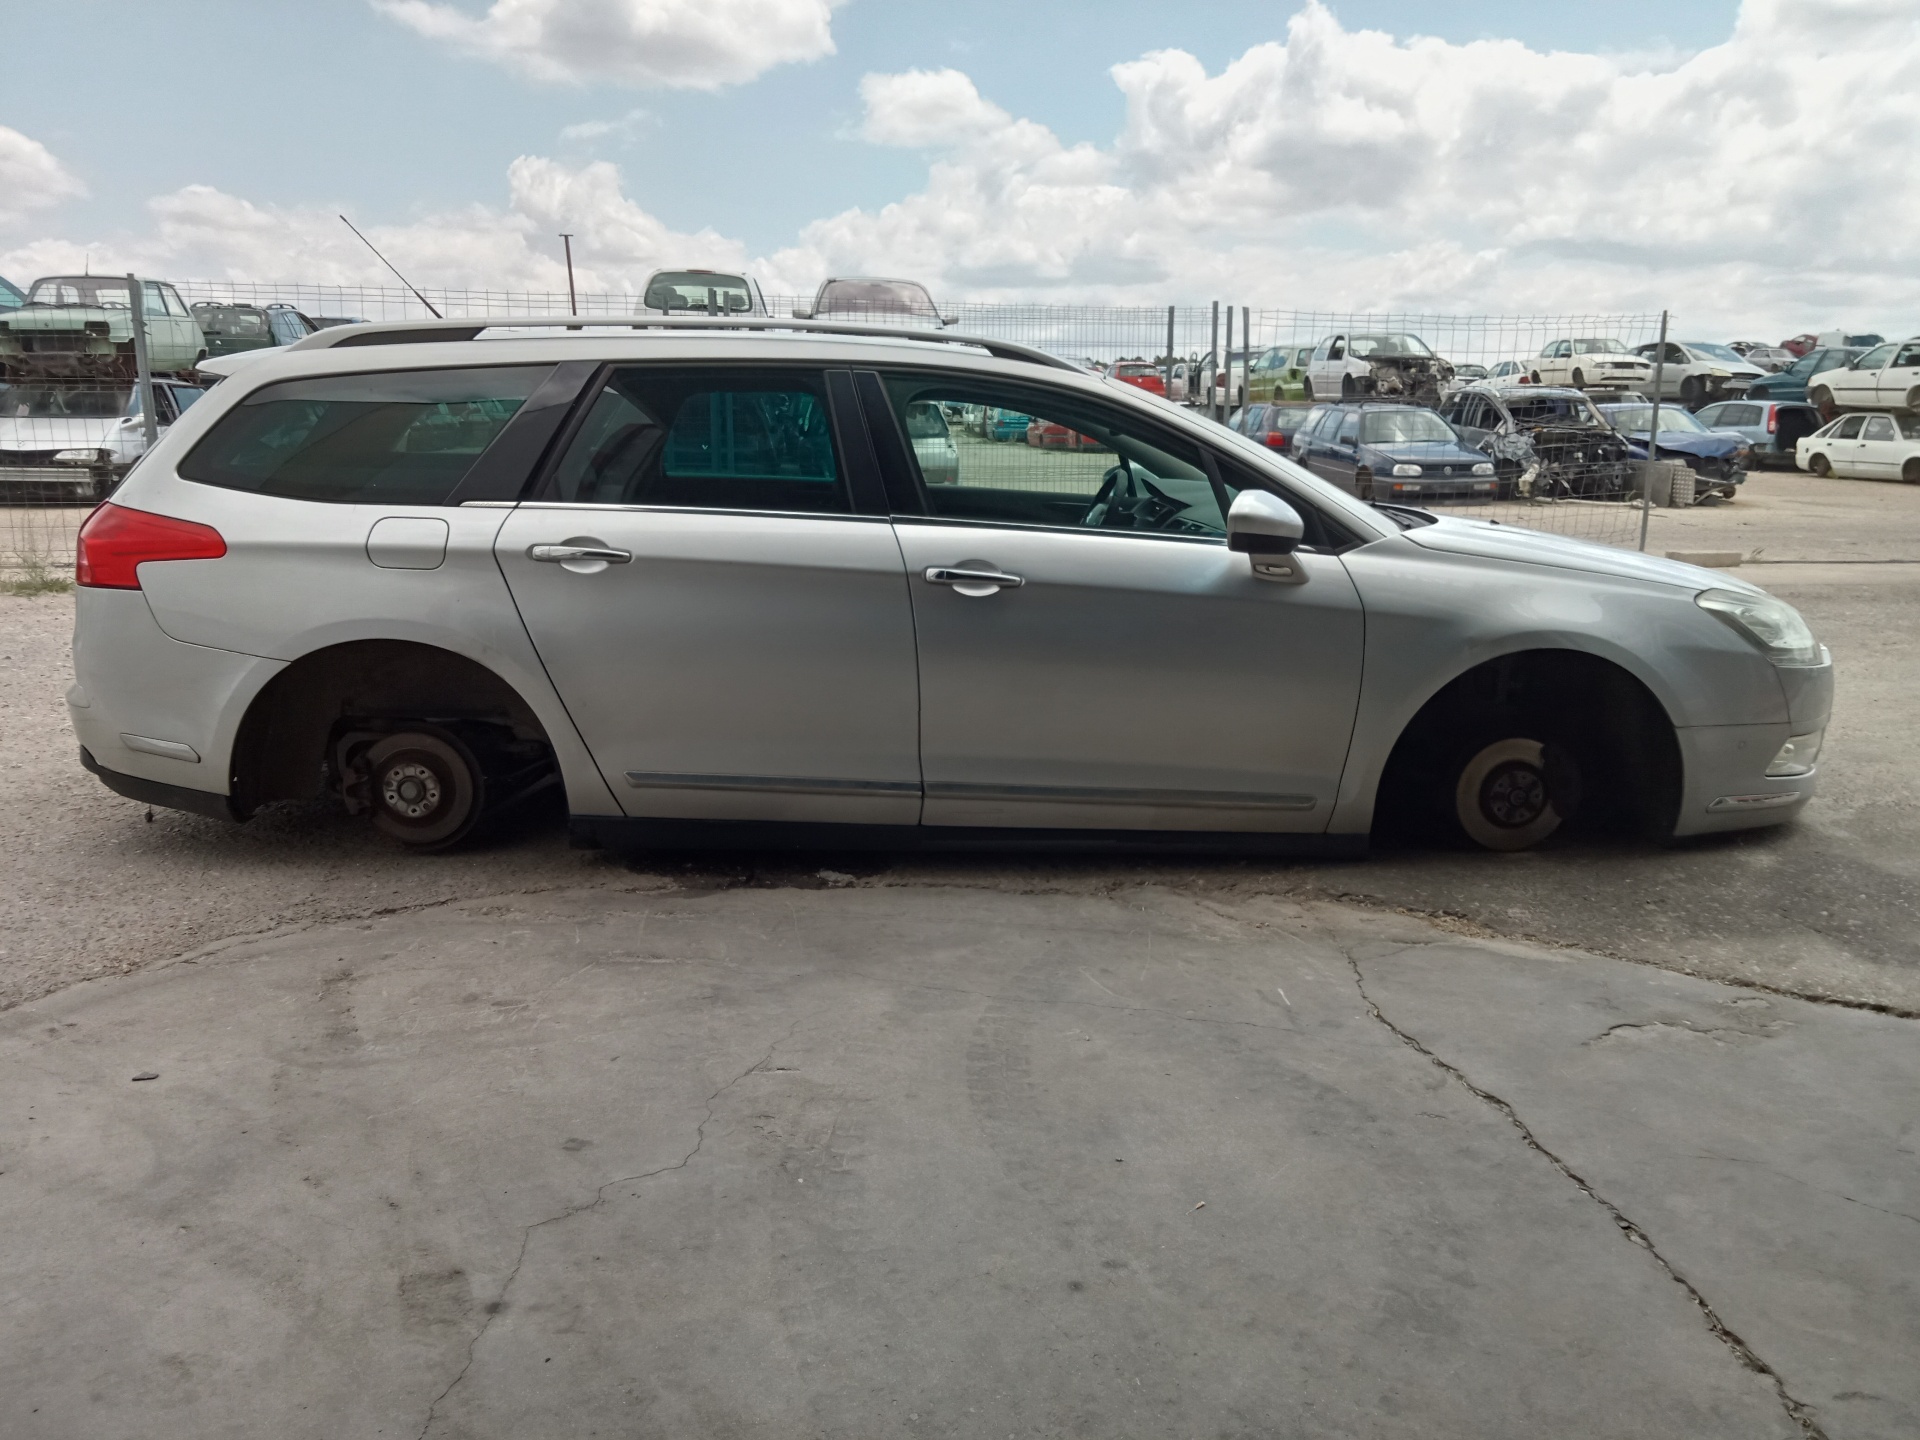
{"points": [[1718, 458], [1791, 383], [1004, 425], [1402, 454]]}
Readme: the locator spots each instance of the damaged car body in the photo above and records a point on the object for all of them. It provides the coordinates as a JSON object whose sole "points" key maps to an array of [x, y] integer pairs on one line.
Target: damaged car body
{"points": [[1546, 442], [1384, 366]]}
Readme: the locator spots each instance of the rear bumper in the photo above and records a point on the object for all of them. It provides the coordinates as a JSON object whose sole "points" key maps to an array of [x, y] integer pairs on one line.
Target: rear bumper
{"points": [[157, 792]]}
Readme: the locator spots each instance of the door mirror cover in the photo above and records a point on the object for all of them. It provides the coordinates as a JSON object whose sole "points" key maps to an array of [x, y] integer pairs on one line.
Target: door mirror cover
{"points": [[1259, 523]]}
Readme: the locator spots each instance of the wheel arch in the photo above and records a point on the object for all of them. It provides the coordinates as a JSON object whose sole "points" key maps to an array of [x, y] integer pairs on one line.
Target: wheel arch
{"points": [[280, 746], [1614, 671]]}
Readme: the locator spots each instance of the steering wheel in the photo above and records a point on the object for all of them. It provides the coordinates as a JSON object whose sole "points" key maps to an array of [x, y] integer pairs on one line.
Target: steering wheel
{"points": [[1097, 511]]}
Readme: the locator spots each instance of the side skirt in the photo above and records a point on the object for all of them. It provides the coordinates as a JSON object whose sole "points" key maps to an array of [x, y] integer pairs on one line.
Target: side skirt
{"points": [[621, 832]]}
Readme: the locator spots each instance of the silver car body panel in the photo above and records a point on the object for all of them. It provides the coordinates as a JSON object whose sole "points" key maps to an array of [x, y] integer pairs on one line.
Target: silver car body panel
{"points": [[1133, 682]]}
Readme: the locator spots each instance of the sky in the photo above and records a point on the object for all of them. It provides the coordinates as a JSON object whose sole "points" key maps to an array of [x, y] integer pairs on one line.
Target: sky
{"points": [[1750, 164]]}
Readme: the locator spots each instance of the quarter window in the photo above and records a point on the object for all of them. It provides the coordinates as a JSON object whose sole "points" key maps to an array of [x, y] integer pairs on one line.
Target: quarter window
{"points": [[707, 439], [404, 437], [1037, 457]]}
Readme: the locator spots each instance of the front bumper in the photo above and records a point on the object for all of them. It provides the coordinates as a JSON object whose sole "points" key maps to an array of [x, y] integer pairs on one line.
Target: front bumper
{"points": [[1726, 786]]}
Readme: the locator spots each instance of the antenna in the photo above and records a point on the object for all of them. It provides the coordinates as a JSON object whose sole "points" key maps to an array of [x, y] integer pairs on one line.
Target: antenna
{"points": [[397, 275]]}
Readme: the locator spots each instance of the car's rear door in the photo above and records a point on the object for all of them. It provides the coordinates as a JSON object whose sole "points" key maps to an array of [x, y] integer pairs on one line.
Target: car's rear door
{"points": [[1091, 654], [1878, 444], [729, 631]]}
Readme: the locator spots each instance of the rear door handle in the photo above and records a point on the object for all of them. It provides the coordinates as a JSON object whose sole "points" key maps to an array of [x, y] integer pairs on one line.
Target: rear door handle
{"points": [[973, 582], [560, 554]]}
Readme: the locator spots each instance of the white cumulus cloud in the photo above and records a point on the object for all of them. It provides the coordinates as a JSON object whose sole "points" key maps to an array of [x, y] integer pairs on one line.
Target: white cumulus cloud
{"points": [[663, 44], [31, 178]]}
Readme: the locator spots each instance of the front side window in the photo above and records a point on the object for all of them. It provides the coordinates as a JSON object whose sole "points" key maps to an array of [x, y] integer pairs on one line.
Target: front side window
{"points": [[1076, 463], [1849, 428], [707, 439], [1349, 429], [401, 437]]}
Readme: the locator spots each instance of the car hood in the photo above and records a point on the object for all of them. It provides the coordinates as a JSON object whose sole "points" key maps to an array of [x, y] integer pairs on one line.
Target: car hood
{"points": [[1426, 452], [1494, 541], [55, 434], [1716, 446]]}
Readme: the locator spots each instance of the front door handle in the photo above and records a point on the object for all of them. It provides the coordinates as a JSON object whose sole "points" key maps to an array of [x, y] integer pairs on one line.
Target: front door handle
{"points": [[560, 554], [974, 582]]}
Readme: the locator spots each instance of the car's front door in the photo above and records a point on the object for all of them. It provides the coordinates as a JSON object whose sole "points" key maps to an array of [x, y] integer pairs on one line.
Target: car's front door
{"points": [[732, 638], [1859, 383], [1091, 653]]}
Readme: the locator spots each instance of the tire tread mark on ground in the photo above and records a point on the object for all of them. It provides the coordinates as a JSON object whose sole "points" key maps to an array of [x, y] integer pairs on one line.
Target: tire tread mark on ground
{"points": [[1743, 1352], [600, 1193]]}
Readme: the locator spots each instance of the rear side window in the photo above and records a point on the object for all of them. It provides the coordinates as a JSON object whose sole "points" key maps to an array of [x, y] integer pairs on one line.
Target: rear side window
{"points": [[707, 439], [400, 437]]}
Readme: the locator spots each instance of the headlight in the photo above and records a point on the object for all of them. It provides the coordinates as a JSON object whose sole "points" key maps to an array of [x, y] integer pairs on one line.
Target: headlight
{"points": [[78, 457], [1485, 467], [1773, 625], [1406, 469]]}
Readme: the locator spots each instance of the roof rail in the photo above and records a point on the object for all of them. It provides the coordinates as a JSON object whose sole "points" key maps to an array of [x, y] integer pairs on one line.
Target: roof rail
{"points": [[427, 332]]}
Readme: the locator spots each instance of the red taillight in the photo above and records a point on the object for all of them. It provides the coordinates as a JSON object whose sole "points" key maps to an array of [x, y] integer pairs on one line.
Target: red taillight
{"points": [[1275, 440], [116, 541], [1773, 419]]}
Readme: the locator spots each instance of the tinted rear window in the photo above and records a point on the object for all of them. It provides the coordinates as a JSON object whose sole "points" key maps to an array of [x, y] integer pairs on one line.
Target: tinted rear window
{"points": [[404, 437]]}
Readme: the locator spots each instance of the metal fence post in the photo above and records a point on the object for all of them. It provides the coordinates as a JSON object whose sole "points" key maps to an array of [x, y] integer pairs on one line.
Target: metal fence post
{"points": [[1224, 368], [1653, 430], [143, 371], [1213, 353], [1170, 352]]}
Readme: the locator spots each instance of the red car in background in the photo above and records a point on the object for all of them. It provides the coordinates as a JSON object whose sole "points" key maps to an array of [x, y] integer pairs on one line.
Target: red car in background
{"points": [[1047, 435], [1142, 374]]}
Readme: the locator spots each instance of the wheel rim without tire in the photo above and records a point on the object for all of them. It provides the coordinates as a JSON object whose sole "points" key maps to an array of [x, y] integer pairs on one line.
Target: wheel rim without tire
{"points": [[1502, 799], [425, 790]]}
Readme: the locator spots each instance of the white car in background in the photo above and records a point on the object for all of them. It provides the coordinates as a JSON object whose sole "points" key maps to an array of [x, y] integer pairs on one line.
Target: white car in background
{"points": [[1887, 377], [61, 440], [1864, 447], [1591, 363], [1697, 373]]}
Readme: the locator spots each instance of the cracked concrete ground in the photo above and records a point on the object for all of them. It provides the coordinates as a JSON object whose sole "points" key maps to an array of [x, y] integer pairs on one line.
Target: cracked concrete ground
{"points": [[948, 1161]]}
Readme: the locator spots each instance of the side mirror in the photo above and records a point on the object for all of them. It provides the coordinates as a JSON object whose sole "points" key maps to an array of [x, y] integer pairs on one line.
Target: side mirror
{"points": [[949, 319], [1267, 530]]}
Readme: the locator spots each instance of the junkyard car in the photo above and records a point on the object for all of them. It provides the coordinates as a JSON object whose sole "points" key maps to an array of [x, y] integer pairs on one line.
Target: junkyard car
{"points": [[710, 292], [1401, 453], [934, 449], [1791, 383], [1771, 428], [65, 441], [1142, 374], [1865, 447], [1717, 458], [82, 325], [1885, 378], [1274, 425], [885, 302], [234, 329], [1376, 366], [1696, 373], [1591, 363], [1279, 373], [1770, 358], [1510, 372], [694, 578], [1544, 441]]}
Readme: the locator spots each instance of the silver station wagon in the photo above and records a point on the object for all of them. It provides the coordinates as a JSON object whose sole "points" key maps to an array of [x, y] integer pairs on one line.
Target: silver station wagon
{"points": [[692, 572]]}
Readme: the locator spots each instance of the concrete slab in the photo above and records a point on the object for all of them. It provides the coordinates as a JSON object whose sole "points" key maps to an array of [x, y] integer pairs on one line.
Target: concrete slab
{"points": [[1771, 1146], [861, 1161]]}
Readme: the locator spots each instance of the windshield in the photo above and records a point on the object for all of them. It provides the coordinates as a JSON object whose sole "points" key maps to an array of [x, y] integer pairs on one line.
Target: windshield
{"points": [[59, 402], [864, 296], [1403, 427], [1635, 420], [1599, 346], [230, 319], [697, 290], [1551, 410], [1367, 347], [1136, 368], [1717, 352], [101, 291]]}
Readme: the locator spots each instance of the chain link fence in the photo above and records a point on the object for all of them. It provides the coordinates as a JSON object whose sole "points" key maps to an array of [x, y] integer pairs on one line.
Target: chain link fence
{"points": [[73, 419]]}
